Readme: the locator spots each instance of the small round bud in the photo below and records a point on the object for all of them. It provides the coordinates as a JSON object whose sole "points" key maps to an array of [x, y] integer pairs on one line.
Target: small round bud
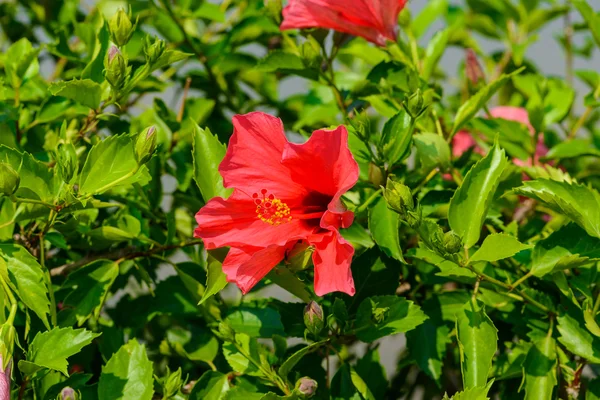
{"points": [[172, 384], [415, 104], [153, 48], [226, 332], [452, 242], [145, 144], [9, 180], [121, 28], [375, 175], [68, 393], [313, 318], [399, 197], [310, 51], [115, 68], [7, 343], [306, 387]]}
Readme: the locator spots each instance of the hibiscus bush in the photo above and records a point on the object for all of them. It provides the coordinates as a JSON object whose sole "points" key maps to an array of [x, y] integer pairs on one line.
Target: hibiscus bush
{"points": [[248, 200]]}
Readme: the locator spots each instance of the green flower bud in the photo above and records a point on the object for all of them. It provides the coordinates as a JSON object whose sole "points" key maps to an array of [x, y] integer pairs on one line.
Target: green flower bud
{"points": [[68, 393], [452, 242], [172, 384], [398, 197], [274, 8], [116, 71], [415, 104], [375, 175], [121, 28], [67, 162], [310, 51], [145, 144], [300, 257], [9, 180], [313, 318], [153, 48], [305, 387]]}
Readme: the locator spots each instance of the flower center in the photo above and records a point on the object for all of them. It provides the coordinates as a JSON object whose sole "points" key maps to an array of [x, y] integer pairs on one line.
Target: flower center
{"points": [[271, 210]]}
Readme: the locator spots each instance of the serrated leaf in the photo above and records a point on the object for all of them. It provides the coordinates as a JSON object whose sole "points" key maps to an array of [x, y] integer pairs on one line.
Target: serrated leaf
{"points": [[478, 100], [109, 163], [22, 271], [83, 91], [381, 316], [237, 361], [384, 226], [427, 345], [578, 202], [478, 342], [467, 211], [51, 349], [498, 246], [567, 248], [127, 375], [540, 369], [90, 286], [216, 279], [476, 393], [212, 385], [20, 62], [208, 153], [292, 360]]}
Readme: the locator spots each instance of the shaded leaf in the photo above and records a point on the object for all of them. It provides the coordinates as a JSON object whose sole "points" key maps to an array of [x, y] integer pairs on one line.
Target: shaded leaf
{"points": [[384, 226]]}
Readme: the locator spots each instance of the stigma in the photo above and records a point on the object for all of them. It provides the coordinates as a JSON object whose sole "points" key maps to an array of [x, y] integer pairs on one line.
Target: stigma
{"points": [[270, 209]]}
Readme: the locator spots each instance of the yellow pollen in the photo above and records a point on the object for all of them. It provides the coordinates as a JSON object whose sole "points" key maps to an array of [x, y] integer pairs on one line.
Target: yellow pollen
{"points": [[271, 210]]}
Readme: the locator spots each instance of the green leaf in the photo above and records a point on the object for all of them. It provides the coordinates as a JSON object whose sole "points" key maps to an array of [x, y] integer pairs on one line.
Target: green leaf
{"points": [[384, 226], [571, 149], [575, 337], [110, 163], [396, 137], [20, 62], [212, 385], [540, 369], [208, 153], [286, 279], [476, 393], [433, 10], [127, 375], [238, 361], [196, 343], [578, 202], [468, 212], [360, 385], [372, 372], [51, 349], [169, 57], [427, 346], [25, 274], [567, 248], [498, 246], [97, 49], [433, 151], [478, 100], [381, 316], [84, 91], [287, 63], [291, 362], [477, 342], [256, 322], [434, 52], [591, 18], [593, 390], [215, 279], [90, 287]]}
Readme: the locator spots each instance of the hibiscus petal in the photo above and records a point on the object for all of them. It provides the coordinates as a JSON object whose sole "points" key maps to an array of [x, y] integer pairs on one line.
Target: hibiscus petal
{"points": [[357, 17], [247, 266], [517, 114], [332, 259], [234, 222], [253, 158], [324, 164]]}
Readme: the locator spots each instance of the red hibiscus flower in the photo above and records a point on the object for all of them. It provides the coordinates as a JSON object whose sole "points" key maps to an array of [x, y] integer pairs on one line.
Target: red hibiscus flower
{"points": [[463, 140], [375, 20], [284, 194]]}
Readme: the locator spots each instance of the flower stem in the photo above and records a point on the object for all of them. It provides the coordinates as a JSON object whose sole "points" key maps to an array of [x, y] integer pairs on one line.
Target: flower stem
{"points": [[367, 202]]}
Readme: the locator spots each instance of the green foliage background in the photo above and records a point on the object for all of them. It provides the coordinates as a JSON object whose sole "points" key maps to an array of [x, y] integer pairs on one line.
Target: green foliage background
{"points": [[489, 267]]}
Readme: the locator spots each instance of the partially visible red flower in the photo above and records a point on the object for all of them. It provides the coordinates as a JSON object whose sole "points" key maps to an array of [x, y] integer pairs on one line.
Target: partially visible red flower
{"points": [[284, 193], [374, 20], [462, 140]]}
